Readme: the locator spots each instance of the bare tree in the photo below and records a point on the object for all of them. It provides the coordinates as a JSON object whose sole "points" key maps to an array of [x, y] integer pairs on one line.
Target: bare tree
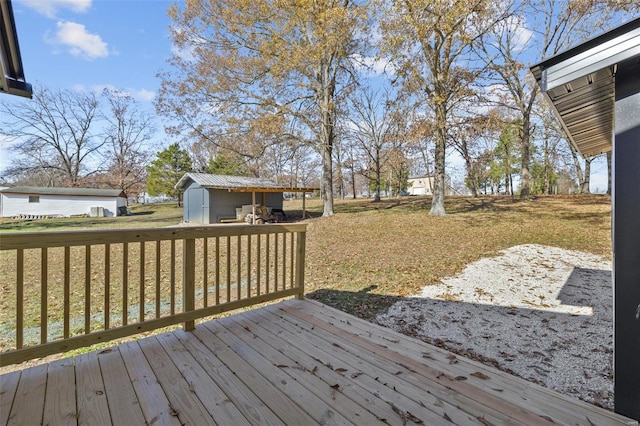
{"points": [[127, 134], [369, 126], [429, 43], [53, 133], [471, 137]]}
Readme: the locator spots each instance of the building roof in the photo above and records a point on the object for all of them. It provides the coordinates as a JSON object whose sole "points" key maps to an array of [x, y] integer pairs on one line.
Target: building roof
{"points": [[12, 80], [580, 85], [237, 183], [78, 192]]}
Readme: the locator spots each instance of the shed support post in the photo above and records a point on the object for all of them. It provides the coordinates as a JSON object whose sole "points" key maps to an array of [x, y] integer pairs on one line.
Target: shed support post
{"points": [[253, 207], [626, 240]]}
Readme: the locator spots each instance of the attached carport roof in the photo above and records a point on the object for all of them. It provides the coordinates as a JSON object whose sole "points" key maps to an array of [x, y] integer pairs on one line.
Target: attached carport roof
{"points": [[237, 183], [580, 84], [12, 80]]}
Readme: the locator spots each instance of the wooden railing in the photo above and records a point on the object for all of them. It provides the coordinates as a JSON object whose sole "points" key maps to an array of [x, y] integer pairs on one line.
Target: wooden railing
{"points": [[64, 290]]}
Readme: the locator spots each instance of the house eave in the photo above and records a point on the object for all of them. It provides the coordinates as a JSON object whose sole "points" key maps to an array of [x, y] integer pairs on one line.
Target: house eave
{"points": [[12, 79], [579, 84]]}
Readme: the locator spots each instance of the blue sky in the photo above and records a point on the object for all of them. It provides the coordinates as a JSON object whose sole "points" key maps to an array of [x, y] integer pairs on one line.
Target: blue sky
{"points": [[93, 43]]}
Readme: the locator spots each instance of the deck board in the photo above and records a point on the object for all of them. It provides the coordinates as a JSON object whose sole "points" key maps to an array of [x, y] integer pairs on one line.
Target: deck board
{"points": [[251, 407], [291, 363], [541, 400], [208, 392], [184, 403], [60, 397], [153, 402], [404, 396], [28, 404], [8, 389], [92, 405], [121, 397]]}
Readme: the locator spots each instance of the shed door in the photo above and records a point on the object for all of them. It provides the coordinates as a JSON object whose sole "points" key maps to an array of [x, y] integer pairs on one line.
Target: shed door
{"points": [[196, 206]]}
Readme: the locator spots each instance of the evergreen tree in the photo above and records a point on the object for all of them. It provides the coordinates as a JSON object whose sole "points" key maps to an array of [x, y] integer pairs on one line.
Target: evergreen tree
{"points": [[226, 165], [165, 171]]}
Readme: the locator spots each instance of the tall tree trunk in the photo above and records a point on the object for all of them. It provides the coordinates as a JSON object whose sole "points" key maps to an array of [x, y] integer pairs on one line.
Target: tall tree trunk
{"points": [[437, 202], [376, 197], [472, 175], [339, 176], [525, 177], [584, 186], [328, 137], [547, 169], [576, 164], [327, 181], [352, 169], [609, 182]]}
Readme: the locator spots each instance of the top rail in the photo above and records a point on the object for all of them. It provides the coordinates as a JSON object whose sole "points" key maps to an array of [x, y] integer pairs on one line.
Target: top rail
{"points": [[31, 240]]}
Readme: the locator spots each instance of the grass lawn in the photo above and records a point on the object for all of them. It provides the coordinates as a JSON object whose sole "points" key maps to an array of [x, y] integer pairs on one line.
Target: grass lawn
{"points": [[369, 254]]}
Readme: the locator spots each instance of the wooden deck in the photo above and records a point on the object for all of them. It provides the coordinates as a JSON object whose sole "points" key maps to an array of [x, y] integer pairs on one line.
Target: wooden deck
{"points": [[295, 363]]}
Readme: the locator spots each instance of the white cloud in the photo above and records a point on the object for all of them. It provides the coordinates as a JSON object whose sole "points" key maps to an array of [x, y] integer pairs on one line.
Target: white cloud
{"points": [[372, 66], [521, 35], [184, 53], [78, 41], [143, 95], [50, 8]]}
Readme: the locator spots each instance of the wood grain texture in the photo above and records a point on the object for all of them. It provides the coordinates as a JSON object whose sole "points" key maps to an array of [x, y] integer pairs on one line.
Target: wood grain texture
{"points": [[294, 362]]}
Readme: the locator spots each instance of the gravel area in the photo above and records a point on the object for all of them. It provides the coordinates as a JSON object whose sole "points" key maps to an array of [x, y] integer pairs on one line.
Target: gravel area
{"points": [[541, 313]]}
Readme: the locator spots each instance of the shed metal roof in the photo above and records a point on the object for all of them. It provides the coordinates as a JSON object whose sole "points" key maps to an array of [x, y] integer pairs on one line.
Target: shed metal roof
{"points": [[237, 183], [580, 85], [12, 78], [78, 192]]}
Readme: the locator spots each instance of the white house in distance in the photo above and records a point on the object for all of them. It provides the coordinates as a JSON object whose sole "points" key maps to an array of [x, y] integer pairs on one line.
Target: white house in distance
{"points": [[49, 201], [423, 185]]}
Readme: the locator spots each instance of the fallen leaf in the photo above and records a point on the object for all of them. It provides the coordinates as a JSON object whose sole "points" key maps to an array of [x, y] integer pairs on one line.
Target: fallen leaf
{"points": [[480, 375], [413, 418]]}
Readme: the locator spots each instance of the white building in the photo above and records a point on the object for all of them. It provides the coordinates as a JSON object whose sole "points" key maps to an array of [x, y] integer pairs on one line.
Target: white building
{"points": [[48, 201], [423, 185]]}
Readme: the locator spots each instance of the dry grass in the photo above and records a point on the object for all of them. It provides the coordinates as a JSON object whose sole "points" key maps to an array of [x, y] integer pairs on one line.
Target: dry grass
{"points": [[370, 254]]}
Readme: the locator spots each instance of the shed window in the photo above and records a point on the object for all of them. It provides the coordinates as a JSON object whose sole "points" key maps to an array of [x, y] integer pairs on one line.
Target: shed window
{"points": [[34, 198]]}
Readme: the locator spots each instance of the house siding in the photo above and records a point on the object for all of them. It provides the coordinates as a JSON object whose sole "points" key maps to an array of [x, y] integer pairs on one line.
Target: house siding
{"points": [[63, 205]]}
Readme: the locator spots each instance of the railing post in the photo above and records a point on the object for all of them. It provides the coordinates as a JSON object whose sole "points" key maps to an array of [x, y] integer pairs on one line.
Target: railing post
{"points": [[300, 254], [189, 279]]}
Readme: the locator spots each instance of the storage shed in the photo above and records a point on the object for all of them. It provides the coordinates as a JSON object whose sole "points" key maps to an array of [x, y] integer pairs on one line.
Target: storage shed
{"points": [[29, 201], [212, 199], [595, 91]]}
